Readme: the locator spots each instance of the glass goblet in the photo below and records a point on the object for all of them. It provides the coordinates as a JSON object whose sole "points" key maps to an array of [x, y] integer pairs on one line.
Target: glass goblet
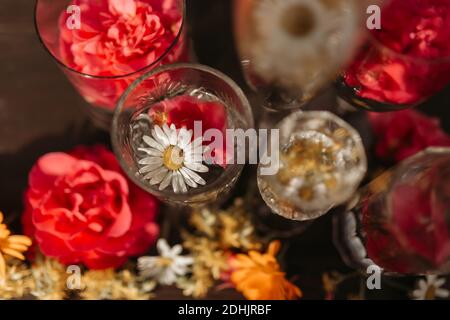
{"points": [[102, 46], [322, 163], [291, 49], [400, 221], [405, 62], [160, 127]]}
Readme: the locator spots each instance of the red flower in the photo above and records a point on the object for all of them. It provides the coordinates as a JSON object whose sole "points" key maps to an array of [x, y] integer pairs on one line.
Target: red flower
{"points": [[415, 237], [119, 37], [402, 134], [81, 209], [415, 29], [184, 111]]}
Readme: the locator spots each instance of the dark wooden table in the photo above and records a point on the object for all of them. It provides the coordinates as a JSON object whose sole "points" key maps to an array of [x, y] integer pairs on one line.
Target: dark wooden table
{"points": [[41, 112]]}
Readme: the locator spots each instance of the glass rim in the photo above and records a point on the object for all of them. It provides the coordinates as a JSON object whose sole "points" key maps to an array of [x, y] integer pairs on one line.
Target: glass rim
{"points": [[355, 136], [382, 47], [86, 75], [230, 172], [323, 114], [436, 150]]}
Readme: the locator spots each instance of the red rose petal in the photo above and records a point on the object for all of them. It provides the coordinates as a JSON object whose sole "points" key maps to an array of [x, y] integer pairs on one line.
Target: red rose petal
{"points": [[85, 213], [48, 168], [123, 7]]}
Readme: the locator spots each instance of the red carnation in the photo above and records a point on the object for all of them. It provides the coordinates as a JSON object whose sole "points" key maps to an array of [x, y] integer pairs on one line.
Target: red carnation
{"points": [[403, 67], [118, 38], [81, 209], [414, 237], [404, 133]]}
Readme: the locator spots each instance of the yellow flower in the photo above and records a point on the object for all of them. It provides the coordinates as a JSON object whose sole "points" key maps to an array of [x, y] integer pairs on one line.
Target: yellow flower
{"points": [[258, 276], [13, 246], [330, 283]]}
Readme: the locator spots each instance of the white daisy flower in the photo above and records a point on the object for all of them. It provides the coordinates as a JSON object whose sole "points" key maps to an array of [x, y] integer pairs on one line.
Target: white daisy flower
{"points": [[299, 43], [168, 266], [173, 159], [430, 289]]}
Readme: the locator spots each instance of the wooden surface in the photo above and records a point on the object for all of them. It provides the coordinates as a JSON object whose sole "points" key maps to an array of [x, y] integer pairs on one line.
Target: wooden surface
{"points": [[41, 112]]}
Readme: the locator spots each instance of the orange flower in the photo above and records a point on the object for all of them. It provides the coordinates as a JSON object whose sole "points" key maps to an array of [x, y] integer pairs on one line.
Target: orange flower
{"points": [[12, 246], [258, 276]]}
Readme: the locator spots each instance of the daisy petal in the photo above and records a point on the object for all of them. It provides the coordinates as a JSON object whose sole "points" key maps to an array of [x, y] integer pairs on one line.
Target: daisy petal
{"points": [[175, 186], [190, 182], [151, 160], [151, 152], [197, 142], [152, 143], [166, 181], [193, 158], [184, 137], [442, 293], [418, 294], [439, 282], [163, 247], [422, 284], [176, 250], [181, 183], [195, 177], [198, 167], [159, 175], [173, 135], [150, 168], [161, 136], [166, 130]]}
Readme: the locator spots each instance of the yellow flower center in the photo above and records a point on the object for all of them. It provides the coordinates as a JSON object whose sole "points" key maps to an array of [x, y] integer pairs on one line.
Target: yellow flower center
{"points": [[164, 262], [298, 21], [431, 293], [173, 158]]}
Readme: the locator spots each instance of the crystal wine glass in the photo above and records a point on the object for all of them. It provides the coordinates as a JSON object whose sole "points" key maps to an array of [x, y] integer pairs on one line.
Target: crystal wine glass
{"points": [[400, 221], [322, 163], [291, 49], [160, 130], [103, 46], [405, 62]]}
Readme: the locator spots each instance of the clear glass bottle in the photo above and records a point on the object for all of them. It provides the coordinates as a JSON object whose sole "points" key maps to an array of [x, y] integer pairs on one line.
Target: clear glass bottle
{"points": [[400, 221]]}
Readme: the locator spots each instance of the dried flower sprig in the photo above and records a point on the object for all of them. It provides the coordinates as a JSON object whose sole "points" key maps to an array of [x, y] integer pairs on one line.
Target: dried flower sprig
{"points": [[231, 228], [216, 235], [113, 285], [45, 279], [48, 279], [17, 282]]}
